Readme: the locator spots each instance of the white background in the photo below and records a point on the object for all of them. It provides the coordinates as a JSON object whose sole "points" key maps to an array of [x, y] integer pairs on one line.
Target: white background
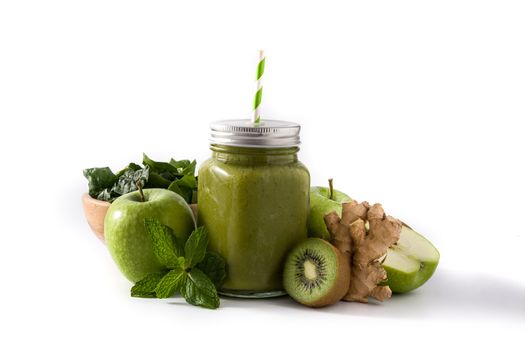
{"points": [[417, 105]]}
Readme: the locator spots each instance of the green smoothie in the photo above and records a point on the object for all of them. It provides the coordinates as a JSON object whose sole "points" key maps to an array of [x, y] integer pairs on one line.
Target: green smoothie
{"points": [[254, 203]]}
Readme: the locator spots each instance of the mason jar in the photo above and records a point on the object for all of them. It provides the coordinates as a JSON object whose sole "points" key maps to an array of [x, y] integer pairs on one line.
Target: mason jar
{"points": [[253, 197]]}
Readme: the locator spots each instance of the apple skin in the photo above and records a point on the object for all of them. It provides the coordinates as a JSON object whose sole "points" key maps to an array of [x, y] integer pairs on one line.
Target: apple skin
{"points": [[320, 205], [126, 237], [421, 260], [400, 282]]}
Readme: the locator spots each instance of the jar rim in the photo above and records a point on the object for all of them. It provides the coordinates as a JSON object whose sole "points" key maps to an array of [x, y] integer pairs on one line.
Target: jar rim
{"points": [[268, 133]]}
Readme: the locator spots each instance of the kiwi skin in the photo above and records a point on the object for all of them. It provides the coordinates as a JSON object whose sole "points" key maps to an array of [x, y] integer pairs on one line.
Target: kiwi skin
{"points": [[342, 280]]}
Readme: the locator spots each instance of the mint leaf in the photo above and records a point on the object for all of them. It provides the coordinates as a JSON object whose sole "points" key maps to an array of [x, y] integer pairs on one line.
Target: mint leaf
{"points": [[195, 247], [181, 262], [164, 241], [173, 281], [145, 288], [214, 266], [199, 290], [99, 179]]}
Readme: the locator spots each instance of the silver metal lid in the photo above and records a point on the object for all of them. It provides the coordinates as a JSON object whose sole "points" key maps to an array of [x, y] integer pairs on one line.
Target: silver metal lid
{"points": [[244, 133]]}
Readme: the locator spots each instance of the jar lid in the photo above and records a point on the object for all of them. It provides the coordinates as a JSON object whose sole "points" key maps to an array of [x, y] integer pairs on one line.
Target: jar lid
{"points": [[267, 133]]}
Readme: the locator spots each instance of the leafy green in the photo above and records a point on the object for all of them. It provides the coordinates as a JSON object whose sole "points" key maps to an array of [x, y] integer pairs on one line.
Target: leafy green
{"points": [[99, 179], [188, 181], [214, 266], [192, 271], [184, 187], [127, 182], [173, 281], [157, 181], [195, 248], [165, 245], [174, 187], [145, 288], [199, 290], [131, 166], [105, 195], [179, 164], [159, 167], [184, 167], [177, 176]]}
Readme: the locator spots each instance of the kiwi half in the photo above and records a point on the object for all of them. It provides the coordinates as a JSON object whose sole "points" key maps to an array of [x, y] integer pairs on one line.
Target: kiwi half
{"points": [[316, 273]]}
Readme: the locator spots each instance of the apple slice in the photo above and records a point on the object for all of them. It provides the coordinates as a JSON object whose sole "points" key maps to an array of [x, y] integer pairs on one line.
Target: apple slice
{"points": [[411, 262]]}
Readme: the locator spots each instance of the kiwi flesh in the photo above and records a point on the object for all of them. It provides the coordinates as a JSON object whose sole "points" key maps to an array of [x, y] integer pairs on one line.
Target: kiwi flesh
{"points": [[316, 273]]}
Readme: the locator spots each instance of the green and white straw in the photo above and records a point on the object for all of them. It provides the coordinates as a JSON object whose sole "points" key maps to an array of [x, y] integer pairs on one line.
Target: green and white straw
{"points": [[258, 95]]}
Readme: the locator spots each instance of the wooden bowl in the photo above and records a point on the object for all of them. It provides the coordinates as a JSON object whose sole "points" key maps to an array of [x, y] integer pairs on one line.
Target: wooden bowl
{"points": [[95, 212]]}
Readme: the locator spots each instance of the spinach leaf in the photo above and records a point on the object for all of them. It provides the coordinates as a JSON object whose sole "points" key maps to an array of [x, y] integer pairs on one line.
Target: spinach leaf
{"points": [[131, 166], [188, 181], [177, 176], [99, 179], [179, 164], [190, 168], [184, 167], [105, 196], [158, 167], [184, 187], [157, 181], [175, 188], [127, 182]]}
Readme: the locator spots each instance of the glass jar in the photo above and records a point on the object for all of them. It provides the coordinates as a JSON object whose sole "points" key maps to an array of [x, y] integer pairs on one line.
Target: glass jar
{"points": [[253, 198]]}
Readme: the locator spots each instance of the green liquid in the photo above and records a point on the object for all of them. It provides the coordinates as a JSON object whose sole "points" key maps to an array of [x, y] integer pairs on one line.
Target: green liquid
{"points": [[254, 203]]}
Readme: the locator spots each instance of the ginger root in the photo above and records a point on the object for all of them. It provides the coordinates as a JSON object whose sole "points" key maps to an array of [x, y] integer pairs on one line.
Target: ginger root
{"points": [[363, 248]]}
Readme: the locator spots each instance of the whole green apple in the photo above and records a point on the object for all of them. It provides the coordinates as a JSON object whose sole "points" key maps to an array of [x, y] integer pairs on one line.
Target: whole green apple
{"points": [[410, 262], [126, 237], [324, 200]]}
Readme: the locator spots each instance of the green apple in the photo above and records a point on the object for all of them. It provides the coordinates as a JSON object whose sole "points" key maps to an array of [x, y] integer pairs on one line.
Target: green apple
{"points": [[324, 200], [411, 262], [126, 237]]}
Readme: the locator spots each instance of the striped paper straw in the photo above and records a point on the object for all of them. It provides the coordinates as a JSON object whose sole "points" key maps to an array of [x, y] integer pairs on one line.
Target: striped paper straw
{"points": [[258, 95]]}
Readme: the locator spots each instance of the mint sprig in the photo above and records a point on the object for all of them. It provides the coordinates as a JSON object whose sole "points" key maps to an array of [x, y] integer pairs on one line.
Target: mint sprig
{"points": [[165, 245], [191, 271], [145, 288], [195, 248], [171, 282], [199, 290]]}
